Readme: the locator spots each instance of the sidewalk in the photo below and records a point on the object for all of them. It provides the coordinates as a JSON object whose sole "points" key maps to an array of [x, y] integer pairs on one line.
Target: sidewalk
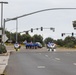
{"points": [[3, 62], [4, 59]]}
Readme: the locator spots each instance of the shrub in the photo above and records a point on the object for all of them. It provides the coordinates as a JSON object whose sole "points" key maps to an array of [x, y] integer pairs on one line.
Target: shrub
{"points": [[2, 49], [70, 45]]}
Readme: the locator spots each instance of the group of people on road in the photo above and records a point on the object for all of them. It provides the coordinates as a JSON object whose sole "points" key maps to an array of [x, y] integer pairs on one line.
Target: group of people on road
{"points": [[50, 46]]}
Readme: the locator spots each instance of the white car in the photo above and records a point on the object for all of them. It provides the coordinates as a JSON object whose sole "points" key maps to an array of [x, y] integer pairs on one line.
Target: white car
{"points": [[39, 44]]}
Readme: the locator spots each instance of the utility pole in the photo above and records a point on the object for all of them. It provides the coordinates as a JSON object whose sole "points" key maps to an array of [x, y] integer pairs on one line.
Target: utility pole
{"points": [[2, 12], [2, 27], [16, 30], [6, 20]]}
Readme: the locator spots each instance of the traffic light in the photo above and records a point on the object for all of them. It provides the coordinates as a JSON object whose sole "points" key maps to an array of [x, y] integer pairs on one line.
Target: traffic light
{"points": [[62, 34], [53, 29], [41, 28], [72, 34], [31, 29], [36, 28], [26, 32]]}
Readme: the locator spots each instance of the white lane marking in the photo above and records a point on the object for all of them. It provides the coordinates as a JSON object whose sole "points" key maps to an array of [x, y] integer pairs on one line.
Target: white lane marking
{"points": [[74, 63], [46, 55], [40, 67], [57, 58]]}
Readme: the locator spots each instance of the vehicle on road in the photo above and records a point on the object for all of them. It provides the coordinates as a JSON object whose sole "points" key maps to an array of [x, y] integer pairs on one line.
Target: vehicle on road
{"points": [[17, 46], [51, 46]]}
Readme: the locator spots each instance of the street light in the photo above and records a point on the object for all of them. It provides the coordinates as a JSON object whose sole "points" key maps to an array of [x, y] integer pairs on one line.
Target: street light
{"points": [[53, 29]]}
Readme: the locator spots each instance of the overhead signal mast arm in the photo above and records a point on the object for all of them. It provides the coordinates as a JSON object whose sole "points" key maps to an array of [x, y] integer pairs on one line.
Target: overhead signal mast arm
{"points": [[39, 12]]}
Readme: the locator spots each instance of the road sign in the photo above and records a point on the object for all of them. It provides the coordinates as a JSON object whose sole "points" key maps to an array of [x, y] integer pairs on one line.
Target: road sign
{"points": [[4, 38]]}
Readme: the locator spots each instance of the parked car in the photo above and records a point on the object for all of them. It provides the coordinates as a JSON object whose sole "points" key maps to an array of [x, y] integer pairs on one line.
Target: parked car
{"points": [[39, 44]]}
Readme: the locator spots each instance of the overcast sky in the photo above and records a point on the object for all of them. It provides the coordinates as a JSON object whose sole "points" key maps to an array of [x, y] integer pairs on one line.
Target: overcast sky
{"points": [[61, 20]]}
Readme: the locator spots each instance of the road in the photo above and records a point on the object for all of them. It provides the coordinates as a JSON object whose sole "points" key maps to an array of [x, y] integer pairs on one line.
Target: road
{"points": [[41, 63]]}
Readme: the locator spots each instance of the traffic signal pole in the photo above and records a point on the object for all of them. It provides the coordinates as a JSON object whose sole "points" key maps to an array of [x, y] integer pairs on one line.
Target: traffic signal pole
{"points": [[15, 18], [2, 27], [16, 30], [62, 34]]}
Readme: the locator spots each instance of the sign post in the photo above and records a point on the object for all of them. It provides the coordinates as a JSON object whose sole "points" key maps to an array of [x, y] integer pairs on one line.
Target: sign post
{"points": [[1, 31]]}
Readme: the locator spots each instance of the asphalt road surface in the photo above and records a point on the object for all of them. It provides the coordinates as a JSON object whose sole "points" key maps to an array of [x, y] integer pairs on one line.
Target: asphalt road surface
{"points": [[41, 63]]}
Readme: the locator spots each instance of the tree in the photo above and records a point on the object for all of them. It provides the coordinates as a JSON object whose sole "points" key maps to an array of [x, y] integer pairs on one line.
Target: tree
{"points": [[8, 34], [19, 38], [26, 37], [69, 42], [48, 39], [13, 37], [60, 42], [37, 38]]}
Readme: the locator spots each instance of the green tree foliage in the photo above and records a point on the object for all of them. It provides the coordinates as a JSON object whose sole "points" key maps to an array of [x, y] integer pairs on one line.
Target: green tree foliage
{"points": [[28, 38], [24, 37], [60, 42], [2, 49], [8, 34], [37, 38], [69, 42], [70, 45], [48, 39]]}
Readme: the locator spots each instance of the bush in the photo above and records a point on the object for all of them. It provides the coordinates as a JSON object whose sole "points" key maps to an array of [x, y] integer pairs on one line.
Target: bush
{"points": [[2, 49], [70, 45]]}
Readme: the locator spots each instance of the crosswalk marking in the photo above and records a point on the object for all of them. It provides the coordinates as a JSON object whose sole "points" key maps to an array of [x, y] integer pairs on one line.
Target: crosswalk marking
{"points": [[57, 58], [74, 63], [46, 55]]}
